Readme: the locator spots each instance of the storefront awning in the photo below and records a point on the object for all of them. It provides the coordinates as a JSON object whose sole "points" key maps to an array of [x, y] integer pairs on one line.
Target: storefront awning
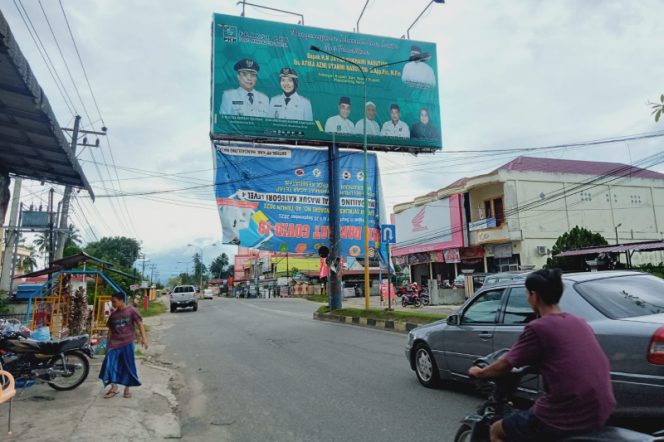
{"points": [[32, 144]]}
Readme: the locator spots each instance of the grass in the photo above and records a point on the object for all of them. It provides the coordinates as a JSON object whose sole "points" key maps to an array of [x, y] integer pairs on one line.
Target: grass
{"points": [[394, 315], [154, 308], [318, 298]]}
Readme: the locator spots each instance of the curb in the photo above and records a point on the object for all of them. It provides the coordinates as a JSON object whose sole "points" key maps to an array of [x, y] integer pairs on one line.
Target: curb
{"points": [[381, 324]]}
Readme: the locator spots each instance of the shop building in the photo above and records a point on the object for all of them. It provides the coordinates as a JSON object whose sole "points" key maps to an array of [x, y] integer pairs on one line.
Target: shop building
{"points": [[511, 217]]}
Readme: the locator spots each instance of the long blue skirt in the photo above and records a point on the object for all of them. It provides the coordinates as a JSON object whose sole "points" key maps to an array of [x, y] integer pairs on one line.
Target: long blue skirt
{"points": [[119, 367]]}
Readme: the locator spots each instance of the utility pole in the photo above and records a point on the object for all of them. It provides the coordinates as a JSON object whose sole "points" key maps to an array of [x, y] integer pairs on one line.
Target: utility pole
{"points": [[63, 227], [11, 237]]}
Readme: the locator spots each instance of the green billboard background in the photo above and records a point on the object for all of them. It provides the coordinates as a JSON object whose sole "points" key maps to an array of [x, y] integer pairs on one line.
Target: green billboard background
{"points": [[322, 79]]}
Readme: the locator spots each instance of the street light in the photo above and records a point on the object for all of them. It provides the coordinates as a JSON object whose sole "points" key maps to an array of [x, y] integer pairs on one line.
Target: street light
{"points": [[616, 228], [420, 16], [366, 188], [200, 286]]}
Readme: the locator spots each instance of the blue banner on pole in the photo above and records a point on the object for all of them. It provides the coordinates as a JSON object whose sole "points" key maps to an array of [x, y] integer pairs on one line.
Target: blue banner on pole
{"points": [[277, 198]]}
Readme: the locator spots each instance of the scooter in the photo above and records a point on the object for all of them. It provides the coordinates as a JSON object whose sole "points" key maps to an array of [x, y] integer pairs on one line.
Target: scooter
{"points": [[62, 364], [411, 298], [475, 427]]}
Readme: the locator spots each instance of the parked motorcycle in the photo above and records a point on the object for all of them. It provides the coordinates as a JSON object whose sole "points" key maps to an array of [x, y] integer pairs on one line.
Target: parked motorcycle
{"points": [[475, 427], [62, 364], [411, 299]]}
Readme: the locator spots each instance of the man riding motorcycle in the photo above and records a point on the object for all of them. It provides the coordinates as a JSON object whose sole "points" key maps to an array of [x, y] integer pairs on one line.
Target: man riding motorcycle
{"points": [[558, 343]]}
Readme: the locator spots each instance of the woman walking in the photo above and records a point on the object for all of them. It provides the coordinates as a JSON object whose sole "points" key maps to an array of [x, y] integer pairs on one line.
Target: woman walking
{"points": [[119, 366]]}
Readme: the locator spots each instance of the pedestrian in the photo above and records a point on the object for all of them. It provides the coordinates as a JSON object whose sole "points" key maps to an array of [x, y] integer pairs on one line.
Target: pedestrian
{"points": [[119, 366]]}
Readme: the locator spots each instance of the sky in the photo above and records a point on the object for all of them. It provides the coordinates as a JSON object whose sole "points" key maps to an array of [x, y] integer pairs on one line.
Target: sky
{"points": [[512, 75]]}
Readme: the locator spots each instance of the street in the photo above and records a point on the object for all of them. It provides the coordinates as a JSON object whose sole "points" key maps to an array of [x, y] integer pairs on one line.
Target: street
{"points": [[264, 370]]}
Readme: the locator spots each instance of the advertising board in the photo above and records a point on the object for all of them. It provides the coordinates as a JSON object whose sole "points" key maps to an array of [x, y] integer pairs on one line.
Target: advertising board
{"points": [[269, 84], [277, 198]]}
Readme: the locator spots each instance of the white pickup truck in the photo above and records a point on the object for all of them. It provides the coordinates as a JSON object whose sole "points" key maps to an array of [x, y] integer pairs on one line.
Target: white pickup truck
{"points": [[184, 296]]}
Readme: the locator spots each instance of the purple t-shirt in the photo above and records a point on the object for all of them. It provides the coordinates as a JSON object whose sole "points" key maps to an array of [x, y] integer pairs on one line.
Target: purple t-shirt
{"points": [[577, 383], [123, 326]]}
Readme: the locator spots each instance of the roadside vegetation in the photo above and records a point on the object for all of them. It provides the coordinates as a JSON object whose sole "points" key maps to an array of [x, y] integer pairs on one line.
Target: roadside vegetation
{"points": [[154, 308], [318, 298], [386, 315]]}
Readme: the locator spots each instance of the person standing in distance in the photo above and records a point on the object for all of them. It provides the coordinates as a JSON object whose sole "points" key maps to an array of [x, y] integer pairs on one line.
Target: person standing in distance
{"points": [[290, 105], [245, 100], [340, 123], [578, 396], [395, 127], [424, 129], [370, 117]]}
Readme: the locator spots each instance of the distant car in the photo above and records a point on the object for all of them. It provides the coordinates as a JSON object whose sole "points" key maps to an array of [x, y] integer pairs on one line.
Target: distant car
{"points": [[499, 278], [183, 296], [625, 310], [478, 280], [207, 294]]}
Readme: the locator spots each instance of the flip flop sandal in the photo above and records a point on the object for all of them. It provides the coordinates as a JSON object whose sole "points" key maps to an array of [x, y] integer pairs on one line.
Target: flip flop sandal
{"points": [[110, 394], [127, 395]]}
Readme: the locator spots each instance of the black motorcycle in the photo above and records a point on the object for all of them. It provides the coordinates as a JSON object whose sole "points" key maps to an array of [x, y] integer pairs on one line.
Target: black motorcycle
{"points": [[475, 427], [62, 364]]}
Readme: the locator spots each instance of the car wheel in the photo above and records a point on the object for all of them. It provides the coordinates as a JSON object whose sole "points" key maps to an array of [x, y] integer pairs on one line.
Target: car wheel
{"points": [[425, 367], [173, 308]]}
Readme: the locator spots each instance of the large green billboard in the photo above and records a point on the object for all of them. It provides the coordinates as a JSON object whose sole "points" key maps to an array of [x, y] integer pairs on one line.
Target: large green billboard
{"points": [[269, 84]]}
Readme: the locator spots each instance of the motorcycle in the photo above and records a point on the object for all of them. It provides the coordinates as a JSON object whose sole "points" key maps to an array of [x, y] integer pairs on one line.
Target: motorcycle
{"points": [[62, 364], [411, 298], [475, 427]]}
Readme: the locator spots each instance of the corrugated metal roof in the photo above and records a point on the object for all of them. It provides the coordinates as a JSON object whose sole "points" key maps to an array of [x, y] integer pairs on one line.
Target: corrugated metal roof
{"points": [[619, 248], [595, 168], [32, 144]]}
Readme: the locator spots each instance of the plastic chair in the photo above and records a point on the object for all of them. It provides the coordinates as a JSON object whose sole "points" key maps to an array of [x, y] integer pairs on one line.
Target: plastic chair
{"points": [[7, 394]]}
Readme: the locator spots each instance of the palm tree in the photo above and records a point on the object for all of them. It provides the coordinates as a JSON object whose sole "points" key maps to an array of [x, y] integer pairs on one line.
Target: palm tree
{"points": [[43, 242], [29, 262], [73, 236]]}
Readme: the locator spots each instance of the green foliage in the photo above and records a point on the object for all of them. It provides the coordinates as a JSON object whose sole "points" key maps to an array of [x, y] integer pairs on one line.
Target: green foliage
{"points": [[657, 108], [199, 270], [154, 308], [118, 250], [657, 270], [71, 250], [576, 238], [390, 315], [219, 267], [4, 302]]}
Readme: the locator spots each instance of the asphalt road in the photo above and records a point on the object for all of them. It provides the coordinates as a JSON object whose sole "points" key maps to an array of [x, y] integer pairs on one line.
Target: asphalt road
{"points": [[264, 370]]}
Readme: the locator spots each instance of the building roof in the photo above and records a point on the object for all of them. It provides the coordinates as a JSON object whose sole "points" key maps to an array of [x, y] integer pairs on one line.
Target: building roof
{"points": [[619, 248], [32, 144], [595, 168]]}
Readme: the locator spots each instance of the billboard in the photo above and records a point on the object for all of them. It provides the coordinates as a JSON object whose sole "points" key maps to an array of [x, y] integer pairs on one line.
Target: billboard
{"points": [[267, 83], [277, 198], [436, 225]]}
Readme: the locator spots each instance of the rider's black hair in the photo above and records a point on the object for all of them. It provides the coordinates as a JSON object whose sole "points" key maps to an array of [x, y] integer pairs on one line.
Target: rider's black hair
{"points": [[547, 283], [118, 295]]}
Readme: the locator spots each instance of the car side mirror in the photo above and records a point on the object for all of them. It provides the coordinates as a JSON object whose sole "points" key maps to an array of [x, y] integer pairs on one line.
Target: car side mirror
{"points": [[453, 320]]}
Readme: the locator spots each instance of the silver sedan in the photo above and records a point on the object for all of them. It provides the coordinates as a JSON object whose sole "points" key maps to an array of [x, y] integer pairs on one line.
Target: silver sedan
{"points": [[625, 309]]}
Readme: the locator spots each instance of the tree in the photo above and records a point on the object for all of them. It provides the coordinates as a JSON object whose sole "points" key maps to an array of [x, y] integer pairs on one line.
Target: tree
{"points": [[218, 266], [657, 108], [118, 250], [29, 263], [199, 269], [43, 242], [73, 236], [576, 238]]}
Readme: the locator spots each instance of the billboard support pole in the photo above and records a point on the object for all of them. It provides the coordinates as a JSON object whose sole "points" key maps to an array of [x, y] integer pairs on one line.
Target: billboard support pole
{"points": [[364, 73], [335, 231]]}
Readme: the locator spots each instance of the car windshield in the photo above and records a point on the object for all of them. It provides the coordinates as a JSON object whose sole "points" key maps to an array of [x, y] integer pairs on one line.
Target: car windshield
{"points": [[625, 296]]}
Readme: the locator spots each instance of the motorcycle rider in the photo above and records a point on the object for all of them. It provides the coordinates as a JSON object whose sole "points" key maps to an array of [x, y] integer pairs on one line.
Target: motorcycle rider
{"points": [[578, 397]]}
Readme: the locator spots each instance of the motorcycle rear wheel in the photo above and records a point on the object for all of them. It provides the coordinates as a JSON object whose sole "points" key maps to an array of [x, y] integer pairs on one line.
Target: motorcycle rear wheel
{"points": [[78, 367], [464, 433]]}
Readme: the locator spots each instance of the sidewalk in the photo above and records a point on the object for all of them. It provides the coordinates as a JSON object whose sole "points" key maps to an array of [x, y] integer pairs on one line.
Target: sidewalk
{"points": [[42, 414]]}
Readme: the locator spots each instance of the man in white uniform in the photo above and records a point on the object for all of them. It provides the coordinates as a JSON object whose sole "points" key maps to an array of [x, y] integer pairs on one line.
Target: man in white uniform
{"points": [[417, 72], [290, 105], [372, 126], [340, 123], [395, 127], [245, 100]]}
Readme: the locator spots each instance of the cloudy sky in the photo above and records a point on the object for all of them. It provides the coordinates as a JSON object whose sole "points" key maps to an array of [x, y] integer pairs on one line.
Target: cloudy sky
{"points": [[512, 74]]}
